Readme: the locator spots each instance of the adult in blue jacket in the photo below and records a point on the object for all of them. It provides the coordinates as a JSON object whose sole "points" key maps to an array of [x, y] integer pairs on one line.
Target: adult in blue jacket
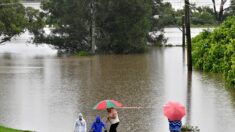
{"points": [[98, 125]]}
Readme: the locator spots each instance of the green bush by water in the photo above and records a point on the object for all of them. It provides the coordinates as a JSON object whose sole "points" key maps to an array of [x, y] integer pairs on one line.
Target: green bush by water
{"points": [[215, 51]]}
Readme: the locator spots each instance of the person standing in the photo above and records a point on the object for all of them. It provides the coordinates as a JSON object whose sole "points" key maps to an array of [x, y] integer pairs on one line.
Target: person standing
{"points": [[98, 125], [113, 119], [80, 125]]}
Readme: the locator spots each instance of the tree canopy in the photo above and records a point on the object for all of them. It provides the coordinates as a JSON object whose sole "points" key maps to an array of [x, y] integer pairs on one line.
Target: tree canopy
{"points": [[16, 19], [12, 19]]}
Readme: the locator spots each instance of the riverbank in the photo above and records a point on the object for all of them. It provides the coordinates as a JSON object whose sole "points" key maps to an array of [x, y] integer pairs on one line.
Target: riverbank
{"points": [[5, 129]]}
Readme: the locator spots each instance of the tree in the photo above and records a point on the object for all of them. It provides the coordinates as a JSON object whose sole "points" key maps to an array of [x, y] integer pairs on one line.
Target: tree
{"points": [[219, 15], [16, 19], [203, 16], [12, 19], [69, 21], [162, 15]]}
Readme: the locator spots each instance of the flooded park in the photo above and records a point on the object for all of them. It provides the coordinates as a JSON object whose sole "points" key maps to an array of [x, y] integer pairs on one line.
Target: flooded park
{"points": [[44, 92]]}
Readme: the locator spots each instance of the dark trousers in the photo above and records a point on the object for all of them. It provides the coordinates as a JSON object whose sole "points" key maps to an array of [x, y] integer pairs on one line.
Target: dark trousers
{"points": [[113, 127]]}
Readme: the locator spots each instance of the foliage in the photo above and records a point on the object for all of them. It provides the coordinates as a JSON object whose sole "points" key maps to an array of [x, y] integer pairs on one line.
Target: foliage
{"points": [[215, 51], [203, 16], [12, 19], [69, 23], [16, 19], [200, 16], [123, 25], [167, 15]]}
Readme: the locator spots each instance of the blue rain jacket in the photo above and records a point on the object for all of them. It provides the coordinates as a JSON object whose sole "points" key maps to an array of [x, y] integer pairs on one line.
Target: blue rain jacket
{"points": [[97, 125]]}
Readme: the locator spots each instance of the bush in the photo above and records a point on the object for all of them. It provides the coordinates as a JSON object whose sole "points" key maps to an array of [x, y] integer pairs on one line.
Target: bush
{"points": [[82, 53], [215, 51]]}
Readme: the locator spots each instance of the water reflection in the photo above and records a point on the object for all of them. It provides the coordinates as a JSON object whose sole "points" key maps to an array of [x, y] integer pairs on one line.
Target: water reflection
{"points": [[189, 97]]}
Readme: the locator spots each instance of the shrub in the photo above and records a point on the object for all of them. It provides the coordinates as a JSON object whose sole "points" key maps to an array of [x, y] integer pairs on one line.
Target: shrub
{"points": [[215, 51]]}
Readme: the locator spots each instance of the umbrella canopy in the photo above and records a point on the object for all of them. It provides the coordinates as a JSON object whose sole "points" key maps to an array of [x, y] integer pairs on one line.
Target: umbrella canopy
{"points": [[174, 111], [107, 104]]}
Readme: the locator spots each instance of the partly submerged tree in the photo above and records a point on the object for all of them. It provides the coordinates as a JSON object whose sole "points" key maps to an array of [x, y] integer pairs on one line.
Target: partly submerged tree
{"points": [[69, 22], [122, 26]]}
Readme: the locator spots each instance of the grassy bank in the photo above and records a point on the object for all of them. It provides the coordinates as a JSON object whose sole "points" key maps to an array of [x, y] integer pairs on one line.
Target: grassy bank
{"points": [[5, 129]]}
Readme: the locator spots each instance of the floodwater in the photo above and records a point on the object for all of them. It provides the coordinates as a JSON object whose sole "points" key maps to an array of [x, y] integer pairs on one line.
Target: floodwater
{"points": [[43, 92]]}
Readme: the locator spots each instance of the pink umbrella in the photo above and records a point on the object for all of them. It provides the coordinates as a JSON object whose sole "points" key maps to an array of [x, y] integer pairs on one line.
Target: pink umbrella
{"points": [[174, 111]]}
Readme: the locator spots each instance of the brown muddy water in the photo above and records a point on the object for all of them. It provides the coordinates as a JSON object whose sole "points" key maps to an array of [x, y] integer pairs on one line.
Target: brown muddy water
{"points": [[42, 92]]}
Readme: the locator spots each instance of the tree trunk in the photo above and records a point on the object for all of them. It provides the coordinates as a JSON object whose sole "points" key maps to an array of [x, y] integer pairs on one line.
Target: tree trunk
{"points": [[215, 12]]}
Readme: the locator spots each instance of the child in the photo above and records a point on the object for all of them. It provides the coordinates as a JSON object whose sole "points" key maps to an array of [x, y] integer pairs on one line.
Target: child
{"points": [[175, 126], [98, 125]]}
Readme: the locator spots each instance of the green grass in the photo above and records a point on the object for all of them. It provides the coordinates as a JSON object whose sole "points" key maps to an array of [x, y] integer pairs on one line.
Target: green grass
{"points": [[5, 129]]}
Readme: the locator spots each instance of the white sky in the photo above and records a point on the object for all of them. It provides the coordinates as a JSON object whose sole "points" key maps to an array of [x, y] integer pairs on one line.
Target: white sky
{"points": [[178, 4]]}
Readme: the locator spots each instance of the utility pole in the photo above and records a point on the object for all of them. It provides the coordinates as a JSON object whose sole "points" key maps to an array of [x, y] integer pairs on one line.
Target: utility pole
{"points": [[92, 27], [183, 31], [188, 35]]}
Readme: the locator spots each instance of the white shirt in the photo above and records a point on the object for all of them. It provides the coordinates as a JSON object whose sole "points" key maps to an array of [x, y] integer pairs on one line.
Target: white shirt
{"points": [[116, 119]]}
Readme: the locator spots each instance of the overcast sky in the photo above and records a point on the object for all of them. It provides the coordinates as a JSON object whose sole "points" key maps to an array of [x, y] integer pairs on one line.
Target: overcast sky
{"points": [[180, 3]]}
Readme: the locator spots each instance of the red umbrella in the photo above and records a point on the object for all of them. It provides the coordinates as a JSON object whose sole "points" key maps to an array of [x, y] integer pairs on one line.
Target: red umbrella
{"points": [[174, 111], [107, 104]]}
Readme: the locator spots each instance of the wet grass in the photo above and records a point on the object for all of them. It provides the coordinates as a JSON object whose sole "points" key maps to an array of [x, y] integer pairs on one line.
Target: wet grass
{"points": [[5, 129]]}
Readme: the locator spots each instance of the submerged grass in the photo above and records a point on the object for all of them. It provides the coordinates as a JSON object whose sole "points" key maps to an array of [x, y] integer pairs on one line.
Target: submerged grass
{"points": [[5, 129]]}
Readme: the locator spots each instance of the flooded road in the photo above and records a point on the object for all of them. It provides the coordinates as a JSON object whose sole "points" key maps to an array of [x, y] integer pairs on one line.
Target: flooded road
{"points": [[45, 93]]}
